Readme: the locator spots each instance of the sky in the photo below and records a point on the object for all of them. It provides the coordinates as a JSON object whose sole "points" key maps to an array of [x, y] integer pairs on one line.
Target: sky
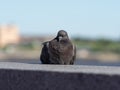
{"points": [[86, 18]]}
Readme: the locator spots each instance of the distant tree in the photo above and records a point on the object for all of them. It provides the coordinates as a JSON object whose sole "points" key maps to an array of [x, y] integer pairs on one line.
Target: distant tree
{"points": [[104, 41]]}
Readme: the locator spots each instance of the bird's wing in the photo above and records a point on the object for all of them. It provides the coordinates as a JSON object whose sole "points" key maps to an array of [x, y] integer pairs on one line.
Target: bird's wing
{"points": [[74, 55], [44, 53]]}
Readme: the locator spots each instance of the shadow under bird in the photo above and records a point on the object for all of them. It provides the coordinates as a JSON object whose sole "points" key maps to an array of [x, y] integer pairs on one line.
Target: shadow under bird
{"points": [[60, 50]]}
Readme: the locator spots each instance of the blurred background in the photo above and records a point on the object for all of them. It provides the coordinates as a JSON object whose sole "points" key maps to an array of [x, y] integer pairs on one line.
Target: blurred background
{"points": [[92, 25]]}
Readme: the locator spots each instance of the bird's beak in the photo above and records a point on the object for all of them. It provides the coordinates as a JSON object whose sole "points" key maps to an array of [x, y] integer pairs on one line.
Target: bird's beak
{"points": [[60, 37]]}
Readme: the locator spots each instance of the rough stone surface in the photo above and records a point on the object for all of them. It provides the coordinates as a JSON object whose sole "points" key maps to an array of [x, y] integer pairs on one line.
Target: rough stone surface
{"points": [[20, 76], [62, 68]]}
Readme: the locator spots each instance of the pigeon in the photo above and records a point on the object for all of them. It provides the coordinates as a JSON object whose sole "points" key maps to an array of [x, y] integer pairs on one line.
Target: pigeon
{"points": [[60, 50]]}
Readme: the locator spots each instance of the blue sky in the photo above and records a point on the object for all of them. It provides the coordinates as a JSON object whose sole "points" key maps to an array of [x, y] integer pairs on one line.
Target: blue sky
{"points": [[88, 18]]}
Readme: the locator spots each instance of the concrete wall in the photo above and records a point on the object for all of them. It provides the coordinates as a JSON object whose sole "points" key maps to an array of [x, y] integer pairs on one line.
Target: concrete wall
{"points": [[20, 76]]}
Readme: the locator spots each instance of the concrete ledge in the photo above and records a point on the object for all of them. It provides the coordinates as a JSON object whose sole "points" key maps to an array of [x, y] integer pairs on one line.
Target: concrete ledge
{"points": [[21, 76]]}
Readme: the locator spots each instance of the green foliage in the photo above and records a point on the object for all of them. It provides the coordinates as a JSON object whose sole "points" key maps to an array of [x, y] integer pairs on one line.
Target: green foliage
{"points": [[28, 46], [104, 45]]}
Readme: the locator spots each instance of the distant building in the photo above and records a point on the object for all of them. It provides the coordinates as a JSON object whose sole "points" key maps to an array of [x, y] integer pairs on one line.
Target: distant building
{"points": [[9, 34]]}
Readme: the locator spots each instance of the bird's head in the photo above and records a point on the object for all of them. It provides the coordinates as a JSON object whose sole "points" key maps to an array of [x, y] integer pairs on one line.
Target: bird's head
{"points": [[62, 35]]}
